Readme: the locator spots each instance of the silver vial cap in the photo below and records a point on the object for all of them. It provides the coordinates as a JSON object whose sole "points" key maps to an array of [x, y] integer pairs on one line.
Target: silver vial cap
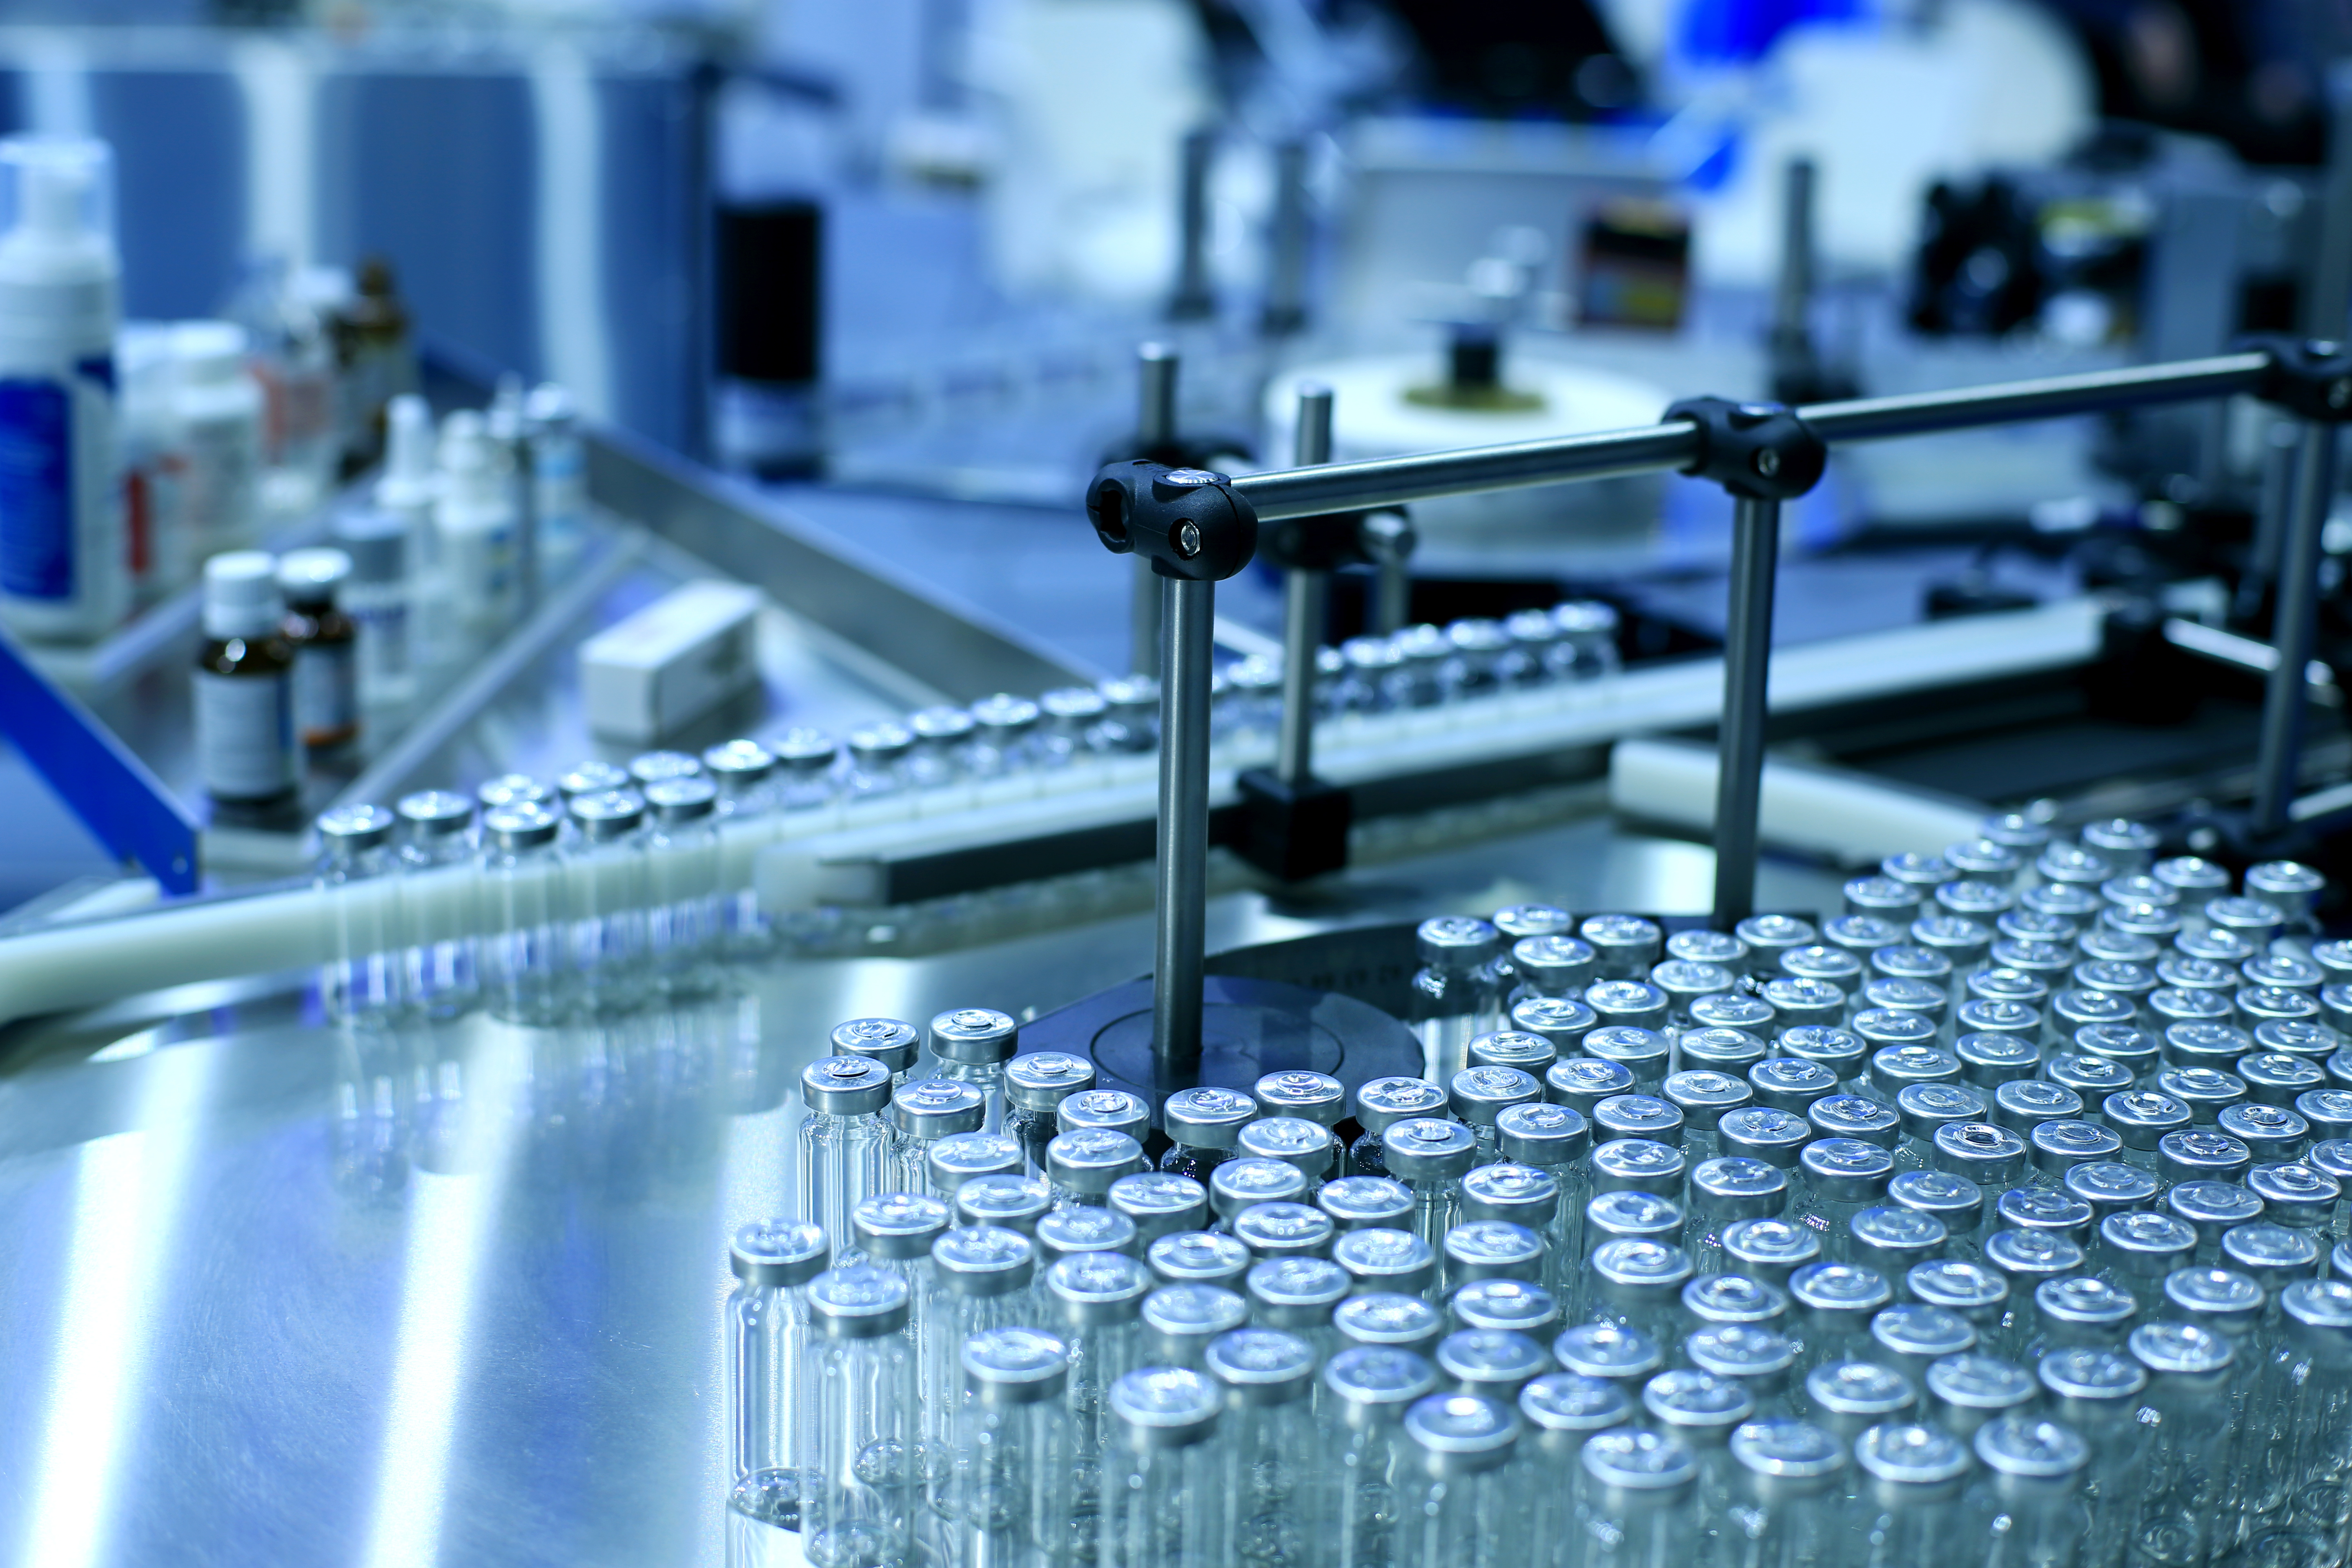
{"points": [[893, 1042], [1041, 1080], [974, 1036], [779, 1255], [1207, 1117], [859, 1302], [846, 1086]]}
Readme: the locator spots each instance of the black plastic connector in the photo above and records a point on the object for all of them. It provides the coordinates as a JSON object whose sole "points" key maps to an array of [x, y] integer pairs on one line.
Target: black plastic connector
{"points": [[1296, 833], [1760, 451], [2311, 378], [1188, 522]]}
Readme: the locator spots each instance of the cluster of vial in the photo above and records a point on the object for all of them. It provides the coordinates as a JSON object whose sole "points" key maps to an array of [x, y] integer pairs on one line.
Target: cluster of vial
{"points": [[1764, 1291], [541, 902]]}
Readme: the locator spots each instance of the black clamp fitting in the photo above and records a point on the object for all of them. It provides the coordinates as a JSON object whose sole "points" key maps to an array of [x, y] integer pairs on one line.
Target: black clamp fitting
{"points": [[1758, 451], [1337, 538], [2311, 378], [1188, 522]]}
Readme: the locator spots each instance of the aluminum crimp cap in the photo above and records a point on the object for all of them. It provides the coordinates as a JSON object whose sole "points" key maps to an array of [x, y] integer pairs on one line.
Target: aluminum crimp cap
{"points": [[1379, 1258], [1383, 1103], [1506, 1190], [1296, 1292], [606, 815], [1967, 1290], [1699, 1406], [1424, 1148], [1564, 1021], [1016, 1202], [1852, 1118], [927, 1108], [1511, 1304], [1562, 1409], [1461, 1433], [1986, 1154], [1042, 1080], [1839, 1296], [899, 1225], [1637, 1468], [1237, 1185], [1734, 1298], [846, 1086], [1925, 1106], [1093, 1289], [859, 1302], [1293, 1139], [1542, 1134], [1313, 1096], [1179, 1321], [1704, 1095], [984, 1260], [2145, 1244], [1376, 1381], [1261, 1367], [1207, 1117], [1791, 1083], [1355, 1202], [1847, 1169], [1164, 1407], [1637, 1116], [1284, 1229], [779, 1254], [1075, 1228], [1736, 1186], [1113, 1108], [1014, 1365], [1581, 1083], [1389, 1318], [1480, 1094], [1088, 1160], [893, 1042], [1609, 1352], [1203, 1255], [965, 1156], [974, 1036], [1759, 1132], [1159, 1203], [1456, 941]]}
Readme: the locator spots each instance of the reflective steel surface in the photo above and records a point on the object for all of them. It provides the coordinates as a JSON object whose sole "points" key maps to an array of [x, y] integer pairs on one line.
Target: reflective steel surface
{"points": [[273, 1294]]}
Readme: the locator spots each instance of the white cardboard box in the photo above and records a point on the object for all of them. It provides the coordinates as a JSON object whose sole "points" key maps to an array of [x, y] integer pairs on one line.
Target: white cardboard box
{"points": [[676, 659]]}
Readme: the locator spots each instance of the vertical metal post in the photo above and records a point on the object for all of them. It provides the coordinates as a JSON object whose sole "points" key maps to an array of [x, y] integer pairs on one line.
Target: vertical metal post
{"points": [[1190, 610], [2328, 286], [1302, 613], [1286, 289], [2271, 503], [1792, 299], [1739, 743], [1392, 594], [2293, 627], [1192, 299], [1155, 429]]}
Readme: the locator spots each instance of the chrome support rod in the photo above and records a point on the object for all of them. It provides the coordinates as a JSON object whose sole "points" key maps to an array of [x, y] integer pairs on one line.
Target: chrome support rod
{"points": [[2293, 628], [1303, 596], [1740, 740], [1188, 619]]}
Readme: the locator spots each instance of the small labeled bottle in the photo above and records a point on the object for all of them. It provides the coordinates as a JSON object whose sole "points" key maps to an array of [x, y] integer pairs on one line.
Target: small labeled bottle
{"points": [[923, 1111], [525, 948], [860, 1497], [246, 750], [1452, 995], [1381, 1103], [1162, 1474], [1458, 1510], [768, 1374], [359, 897], [478, 526], [1272, 1492], [1363, 1448], [1157, 1203], [439, 897], [1203, 1125], [971, 1045], [1008, 1496], [326, 647]]}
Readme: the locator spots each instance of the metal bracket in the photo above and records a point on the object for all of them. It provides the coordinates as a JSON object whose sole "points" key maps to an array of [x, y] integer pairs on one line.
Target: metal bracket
{"points": [[1190, 523], [2310, 378], [1758, 451], [117, 798]]}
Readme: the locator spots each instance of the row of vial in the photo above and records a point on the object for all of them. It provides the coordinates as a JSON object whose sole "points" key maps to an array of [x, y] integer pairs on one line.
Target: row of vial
{"points": [[299, 650], [1515, 1332]]}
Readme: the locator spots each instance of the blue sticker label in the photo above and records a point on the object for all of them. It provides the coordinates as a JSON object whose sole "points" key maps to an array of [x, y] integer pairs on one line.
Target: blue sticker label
{"points": [[37, 492]]}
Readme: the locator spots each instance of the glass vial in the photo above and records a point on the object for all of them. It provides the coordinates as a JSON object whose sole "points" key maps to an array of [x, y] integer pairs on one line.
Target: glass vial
{"points": [[526, 915], [1458, 1511], [360, 898], [683, 915], [768, 1374], [1009, 1495], [1161, 1472], [439, 900], [859, 1502], [605, 870], [842, 1147], [973, 1045]]}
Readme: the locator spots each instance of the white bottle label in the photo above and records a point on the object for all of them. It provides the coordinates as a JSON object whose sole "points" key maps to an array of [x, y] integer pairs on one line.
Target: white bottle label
{"points": [[245, 735], [326, 693]]}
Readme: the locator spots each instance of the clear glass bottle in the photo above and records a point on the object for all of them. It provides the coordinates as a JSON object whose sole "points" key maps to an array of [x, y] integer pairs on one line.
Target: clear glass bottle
{"points": [[2136, 1248], [1453, 993], [1911, 1336], [923, 1111], [1385, 1261], [1237, 1185], [2182, 1515], [1009, 1497], [2098, 1394], [1360, 1203], [1961, 1286], [683, 920], [842, 1148], [1644, 1053], [1361, 1450], [1637, 1284], [1113, 1108], [1431, 1157], [359, 896], [1561, 1022], [744, 771], [1283, 1230], [1526, 1195], [971, 1045], [2310, 1428], [1481, 1094], [525, 948], [1081, 1165], [1612, 1354], [1305, 1146], [895, 1232], [1161, 1472], [1551, 1139], [1178, 1322], [1203, 1125], [1159, 1204], [1906, 1509], [1627, 944], [1786, 1476], [860, 1500], [1272, 1492], [2025, 1509], [1096, 1303], [1561, 1412], [768, 1373], [1500, 1302], [893, 1042], [1850, 1397], [1837, 1179], [1756, 1358], [966, 1157], [1456, 1511], [2028, 1259], [807, 779], [1639, 1487], [1891, 1239], [439, 897], [1705, 1096], [1559, 966], [1081, 1227], [604, 871], [1834, 1305], [1956, 1200], [1768, 1250]]}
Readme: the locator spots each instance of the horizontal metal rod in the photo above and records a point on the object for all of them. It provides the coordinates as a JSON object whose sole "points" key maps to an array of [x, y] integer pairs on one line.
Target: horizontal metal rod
{"points": [[1608, 453]]}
